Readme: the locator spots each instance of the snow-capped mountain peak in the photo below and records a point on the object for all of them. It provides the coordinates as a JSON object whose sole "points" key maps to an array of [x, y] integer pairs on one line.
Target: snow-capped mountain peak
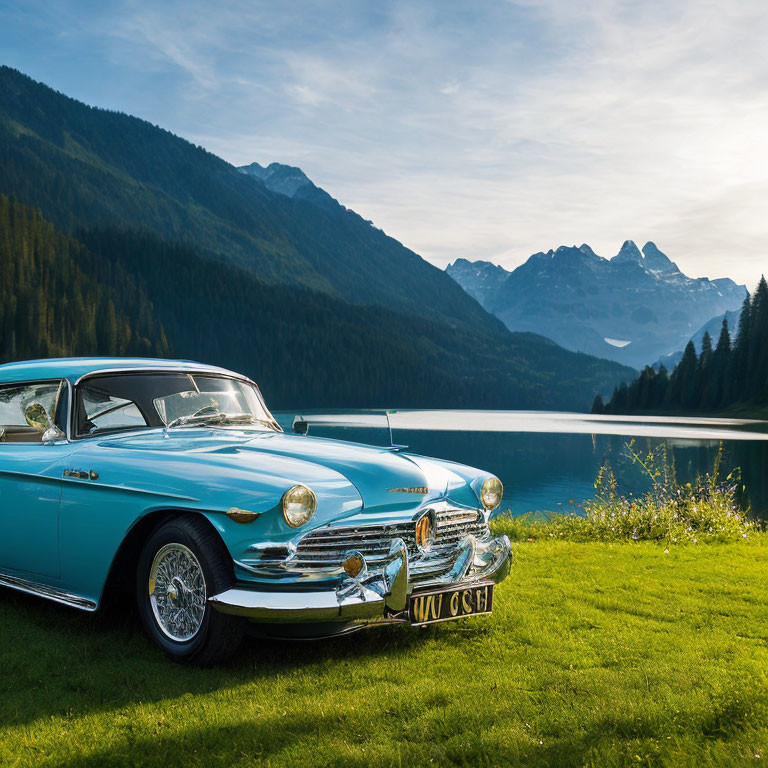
{"points": [[632, 308]]}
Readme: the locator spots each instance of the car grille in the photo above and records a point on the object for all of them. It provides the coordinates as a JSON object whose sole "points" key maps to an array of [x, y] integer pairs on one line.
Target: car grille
{"points": [[327, 547]]}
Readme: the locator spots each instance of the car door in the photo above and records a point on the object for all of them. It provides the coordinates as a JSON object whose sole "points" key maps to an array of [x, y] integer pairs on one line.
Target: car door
{"points": [[31, 475]]}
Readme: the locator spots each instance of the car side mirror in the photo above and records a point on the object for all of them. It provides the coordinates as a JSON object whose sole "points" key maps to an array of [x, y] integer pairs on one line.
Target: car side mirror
{"points": [[37, 417], [300, 427]]}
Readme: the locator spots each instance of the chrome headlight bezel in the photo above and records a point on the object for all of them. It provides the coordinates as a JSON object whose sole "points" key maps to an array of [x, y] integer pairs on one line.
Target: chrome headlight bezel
{"points": [[299, 511], [491, 493], [425, 530]]}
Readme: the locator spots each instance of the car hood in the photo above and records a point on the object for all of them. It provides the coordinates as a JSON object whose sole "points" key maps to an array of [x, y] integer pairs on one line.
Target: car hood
{"points": [[386, 480]]}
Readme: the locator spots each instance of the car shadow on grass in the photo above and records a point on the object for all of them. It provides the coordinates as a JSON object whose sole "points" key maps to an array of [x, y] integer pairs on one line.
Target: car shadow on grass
{"points": [[258, 742], [60, 662]]}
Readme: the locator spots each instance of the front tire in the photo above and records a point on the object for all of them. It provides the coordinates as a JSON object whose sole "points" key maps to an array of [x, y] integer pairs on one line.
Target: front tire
{"points": [[182, 564]]}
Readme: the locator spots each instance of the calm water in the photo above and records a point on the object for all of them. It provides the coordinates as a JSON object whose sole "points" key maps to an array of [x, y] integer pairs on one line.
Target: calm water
{"points": [[548, 460]]}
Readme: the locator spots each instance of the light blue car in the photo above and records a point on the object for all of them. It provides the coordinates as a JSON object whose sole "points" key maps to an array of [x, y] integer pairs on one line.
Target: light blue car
{"points": [[171, 480]]}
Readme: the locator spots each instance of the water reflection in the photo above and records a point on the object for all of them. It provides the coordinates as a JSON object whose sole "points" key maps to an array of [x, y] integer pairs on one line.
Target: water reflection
{"points": [[549, 461]]}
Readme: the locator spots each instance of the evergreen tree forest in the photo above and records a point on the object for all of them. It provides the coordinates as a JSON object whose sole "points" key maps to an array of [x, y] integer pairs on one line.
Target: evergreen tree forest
{"points": [[125, 292], [733, 371], [58, 299]]}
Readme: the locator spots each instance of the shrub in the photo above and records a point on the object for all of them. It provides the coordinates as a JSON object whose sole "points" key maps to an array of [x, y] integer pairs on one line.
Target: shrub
{"points": [[707, 510]]}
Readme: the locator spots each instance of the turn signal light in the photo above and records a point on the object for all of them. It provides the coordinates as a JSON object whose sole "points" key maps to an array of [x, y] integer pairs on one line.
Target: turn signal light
{"points": [[354, 564]]}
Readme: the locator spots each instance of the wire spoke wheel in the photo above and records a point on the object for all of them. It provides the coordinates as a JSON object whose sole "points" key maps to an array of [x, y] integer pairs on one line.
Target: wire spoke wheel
{"points": [[177, 592]]}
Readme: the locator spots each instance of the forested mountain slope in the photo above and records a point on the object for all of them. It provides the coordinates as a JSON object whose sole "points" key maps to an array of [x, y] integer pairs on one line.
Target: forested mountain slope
{"points": [[115, 292], [86, 167], [57, 298], [733, 373], [199, 260], [307, 348]]}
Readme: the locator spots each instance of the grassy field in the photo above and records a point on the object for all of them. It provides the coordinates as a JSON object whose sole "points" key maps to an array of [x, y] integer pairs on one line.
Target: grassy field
{"points": [[597, 654]]}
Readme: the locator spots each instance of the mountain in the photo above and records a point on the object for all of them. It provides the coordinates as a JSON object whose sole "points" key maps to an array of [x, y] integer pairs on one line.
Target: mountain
{"points": [[292, 182], [112, 292], [260, 271], [632, 308], [712, 327], [85, 167], [730, 372]]}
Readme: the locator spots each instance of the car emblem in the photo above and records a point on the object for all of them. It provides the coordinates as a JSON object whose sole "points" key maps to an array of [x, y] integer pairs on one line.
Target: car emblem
{"points": [[425, 530], [421, 489]]}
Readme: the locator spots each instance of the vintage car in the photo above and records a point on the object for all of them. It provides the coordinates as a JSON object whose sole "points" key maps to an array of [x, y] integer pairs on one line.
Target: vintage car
{"points": [[172, 481]]}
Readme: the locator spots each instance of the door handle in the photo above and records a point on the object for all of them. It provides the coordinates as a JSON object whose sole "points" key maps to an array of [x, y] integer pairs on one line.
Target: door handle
{"points": [[81, 474]]}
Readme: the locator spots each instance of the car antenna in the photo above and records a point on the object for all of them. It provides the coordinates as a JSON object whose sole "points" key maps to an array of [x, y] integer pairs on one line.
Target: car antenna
{"points": [[392, 444]]}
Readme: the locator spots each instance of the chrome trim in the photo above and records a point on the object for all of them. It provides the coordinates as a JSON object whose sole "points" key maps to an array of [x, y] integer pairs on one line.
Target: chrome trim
{"points": [[242, 516], [318, 554], [422, 490], [48, 592], [37, 477], [312, 507], [121, 488], [380, 595], [70, 409], [396, 581], [81, 474], [429, 518], [181, 369], [177, 592], [298, 606]]}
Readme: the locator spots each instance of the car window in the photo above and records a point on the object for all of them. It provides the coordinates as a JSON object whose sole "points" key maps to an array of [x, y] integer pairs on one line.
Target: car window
{"points": [[112, 402], [27, 410], [103, 411], [111, 413]]}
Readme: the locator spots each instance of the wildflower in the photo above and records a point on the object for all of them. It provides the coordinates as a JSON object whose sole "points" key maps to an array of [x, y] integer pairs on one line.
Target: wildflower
{"points": [[666, 551]]}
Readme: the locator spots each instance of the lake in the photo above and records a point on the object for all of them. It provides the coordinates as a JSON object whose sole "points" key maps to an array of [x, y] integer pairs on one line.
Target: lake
{"points": [[548, 461]]}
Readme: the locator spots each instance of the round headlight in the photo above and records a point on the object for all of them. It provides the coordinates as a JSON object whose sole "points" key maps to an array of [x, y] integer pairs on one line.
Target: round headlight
{"points": [[299, 505], [492, 493]]}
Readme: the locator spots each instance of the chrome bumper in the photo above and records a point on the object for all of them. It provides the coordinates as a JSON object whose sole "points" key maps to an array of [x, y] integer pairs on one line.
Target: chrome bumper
{"points": [[379, 594]]}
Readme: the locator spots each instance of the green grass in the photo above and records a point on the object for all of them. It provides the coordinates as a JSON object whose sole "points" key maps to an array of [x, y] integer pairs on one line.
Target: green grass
{"points": [[597, 654]]}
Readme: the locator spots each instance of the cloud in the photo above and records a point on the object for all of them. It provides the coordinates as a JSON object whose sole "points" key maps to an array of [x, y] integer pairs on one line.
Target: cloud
{"points": [[479, 130]]}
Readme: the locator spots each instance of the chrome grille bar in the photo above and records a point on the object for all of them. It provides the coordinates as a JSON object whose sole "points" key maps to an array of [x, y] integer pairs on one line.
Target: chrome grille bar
{"points": [[326, 547]]}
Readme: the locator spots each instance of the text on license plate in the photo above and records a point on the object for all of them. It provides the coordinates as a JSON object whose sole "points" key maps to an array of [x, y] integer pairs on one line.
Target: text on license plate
{"points": [[449, 604]]}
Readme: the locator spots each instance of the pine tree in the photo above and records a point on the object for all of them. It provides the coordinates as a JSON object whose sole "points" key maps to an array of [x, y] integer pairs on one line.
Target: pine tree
{"points": [[682, 384], [738, 364], [703, 372], [713, 390], [659, 390], [757, 369]]}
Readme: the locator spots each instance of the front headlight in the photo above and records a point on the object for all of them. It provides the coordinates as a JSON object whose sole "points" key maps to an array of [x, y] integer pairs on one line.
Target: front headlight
{"points": [[299, 505], [492, 493]]}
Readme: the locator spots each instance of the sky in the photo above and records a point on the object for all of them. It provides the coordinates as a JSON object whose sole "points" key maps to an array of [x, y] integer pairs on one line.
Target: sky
{"points": [[483, 130]]}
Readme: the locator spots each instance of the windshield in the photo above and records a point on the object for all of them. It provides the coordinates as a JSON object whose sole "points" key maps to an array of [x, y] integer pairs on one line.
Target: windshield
{"points": [[142, 400]]}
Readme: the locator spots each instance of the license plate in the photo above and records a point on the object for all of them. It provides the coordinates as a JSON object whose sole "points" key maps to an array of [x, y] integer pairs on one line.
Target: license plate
{"points": [[447, 604]]}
